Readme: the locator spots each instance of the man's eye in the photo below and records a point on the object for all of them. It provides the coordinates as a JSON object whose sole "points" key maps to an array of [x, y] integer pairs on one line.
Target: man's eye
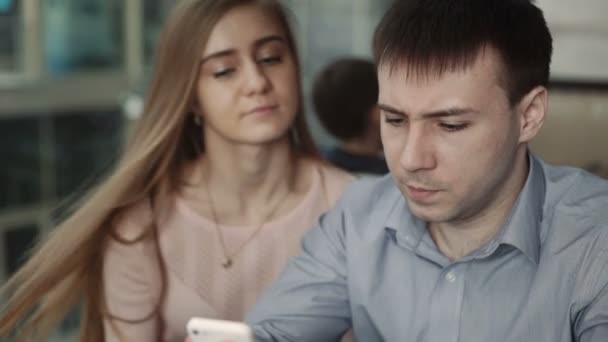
{"points": [[453, 127], [223, 73], [394, 121]]}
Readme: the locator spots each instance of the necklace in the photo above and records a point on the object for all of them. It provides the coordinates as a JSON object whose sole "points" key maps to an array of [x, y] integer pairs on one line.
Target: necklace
{"points": [[229, 257]]}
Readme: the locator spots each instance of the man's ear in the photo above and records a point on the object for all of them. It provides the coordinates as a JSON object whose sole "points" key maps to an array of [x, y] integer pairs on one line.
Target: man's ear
{"points": [[532, 109]]}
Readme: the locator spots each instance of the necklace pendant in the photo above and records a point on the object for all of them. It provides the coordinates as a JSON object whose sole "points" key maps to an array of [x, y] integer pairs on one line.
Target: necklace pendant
{"points": [[227, 263]]}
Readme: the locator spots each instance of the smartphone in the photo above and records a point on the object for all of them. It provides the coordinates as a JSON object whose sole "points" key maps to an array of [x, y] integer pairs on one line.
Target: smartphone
{"points": [[213, 330]]}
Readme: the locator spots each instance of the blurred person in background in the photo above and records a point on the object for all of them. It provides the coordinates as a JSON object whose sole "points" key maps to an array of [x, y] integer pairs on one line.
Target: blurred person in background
{"points": [[217, 185], [345, 94]]}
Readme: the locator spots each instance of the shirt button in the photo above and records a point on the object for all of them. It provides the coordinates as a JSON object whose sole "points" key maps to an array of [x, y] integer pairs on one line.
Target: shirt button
{"points": [[450, 276]]}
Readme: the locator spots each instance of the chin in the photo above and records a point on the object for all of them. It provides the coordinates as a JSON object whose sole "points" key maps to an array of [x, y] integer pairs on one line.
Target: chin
{"points": [[432, 213], [266, 131], [266, 138], [423, 213], [423, 216]]}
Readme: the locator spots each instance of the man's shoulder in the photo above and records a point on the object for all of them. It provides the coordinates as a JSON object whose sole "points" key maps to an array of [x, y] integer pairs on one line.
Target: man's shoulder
{"points": [[334, 180], [576, 206], [576, 191], [576, 235]]}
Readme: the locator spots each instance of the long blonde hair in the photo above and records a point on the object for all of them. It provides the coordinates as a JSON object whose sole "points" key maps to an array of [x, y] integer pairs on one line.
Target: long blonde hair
{"points": [[66, 269]]}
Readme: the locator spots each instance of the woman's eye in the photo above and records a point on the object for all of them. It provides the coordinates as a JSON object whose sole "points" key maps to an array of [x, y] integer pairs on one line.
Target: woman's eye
{"points": [[453, 127], [270, 60], [223, 73]]}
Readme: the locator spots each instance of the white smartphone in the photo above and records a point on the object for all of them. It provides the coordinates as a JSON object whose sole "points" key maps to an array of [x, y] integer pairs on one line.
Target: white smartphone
{"points": [[213, 330]]}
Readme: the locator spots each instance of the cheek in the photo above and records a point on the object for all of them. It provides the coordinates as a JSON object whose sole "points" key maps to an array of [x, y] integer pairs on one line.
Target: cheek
{"points": [[392, 136], [392, 145], [213, 103], [288, 91], [286, 83], [478, 157], [206, 95]]}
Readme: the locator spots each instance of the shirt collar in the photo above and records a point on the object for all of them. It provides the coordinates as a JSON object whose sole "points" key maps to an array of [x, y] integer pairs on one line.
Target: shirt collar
{"points": [[522, 228], [405, 228]]}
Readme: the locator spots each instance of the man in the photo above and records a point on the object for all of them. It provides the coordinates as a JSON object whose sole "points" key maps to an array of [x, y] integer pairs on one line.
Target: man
{"points": [[345, 96], [472, 238]]}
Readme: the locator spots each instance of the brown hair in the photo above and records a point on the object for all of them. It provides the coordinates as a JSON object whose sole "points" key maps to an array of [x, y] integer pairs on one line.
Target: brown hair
{"points": [[343, 95], [66, 269], [446, 35]]}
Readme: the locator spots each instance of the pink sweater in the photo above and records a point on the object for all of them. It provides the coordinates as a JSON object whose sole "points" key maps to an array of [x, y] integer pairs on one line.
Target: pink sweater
{"points": [[197, 283]]}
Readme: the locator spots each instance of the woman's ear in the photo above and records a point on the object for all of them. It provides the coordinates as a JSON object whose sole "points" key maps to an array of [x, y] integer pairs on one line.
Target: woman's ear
{"points": [[532, 110], [195, 111], [196, 118]]}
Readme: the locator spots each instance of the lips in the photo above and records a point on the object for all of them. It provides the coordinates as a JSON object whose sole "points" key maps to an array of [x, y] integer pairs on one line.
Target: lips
{"points": [[263, 109], [420, 194]]}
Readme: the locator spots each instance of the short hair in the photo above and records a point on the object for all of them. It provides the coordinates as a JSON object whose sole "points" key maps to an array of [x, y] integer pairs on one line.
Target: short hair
{"points": [[435, 36], [343, 94]]}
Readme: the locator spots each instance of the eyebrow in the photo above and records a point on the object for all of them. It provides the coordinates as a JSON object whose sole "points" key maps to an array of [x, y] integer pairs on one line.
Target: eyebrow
{"points": [[455, 111], [257, 44]]}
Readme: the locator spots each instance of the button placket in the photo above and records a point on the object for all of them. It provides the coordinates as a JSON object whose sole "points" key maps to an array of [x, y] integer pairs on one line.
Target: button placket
{"points": [[446, 305]]}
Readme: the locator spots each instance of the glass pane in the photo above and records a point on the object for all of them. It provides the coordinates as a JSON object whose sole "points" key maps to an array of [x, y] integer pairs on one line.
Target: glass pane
{"points": [[86, 144], [330, 33], [154, 12], [17, 242], [20, 155], [83, 35], [10, 31]]}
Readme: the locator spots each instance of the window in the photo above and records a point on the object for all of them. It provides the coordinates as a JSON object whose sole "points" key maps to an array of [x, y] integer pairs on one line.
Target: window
{"points": [[83, 35], [10, 30]]}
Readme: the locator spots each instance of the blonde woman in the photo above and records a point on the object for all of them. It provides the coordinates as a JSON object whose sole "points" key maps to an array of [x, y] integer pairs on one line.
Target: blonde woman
{"points": [[218, 184]]}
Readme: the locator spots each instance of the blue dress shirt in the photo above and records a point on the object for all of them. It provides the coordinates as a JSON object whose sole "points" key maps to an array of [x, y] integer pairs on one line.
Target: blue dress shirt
{"points": [[371, 265]]}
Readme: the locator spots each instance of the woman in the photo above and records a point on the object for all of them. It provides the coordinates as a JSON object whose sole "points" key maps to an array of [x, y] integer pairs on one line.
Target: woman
{"points": [[215, 189]]}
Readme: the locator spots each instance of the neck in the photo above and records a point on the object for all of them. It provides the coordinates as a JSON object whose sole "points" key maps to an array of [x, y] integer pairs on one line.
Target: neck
{"points": [[250, 172], [459, 238], [245, 180]]}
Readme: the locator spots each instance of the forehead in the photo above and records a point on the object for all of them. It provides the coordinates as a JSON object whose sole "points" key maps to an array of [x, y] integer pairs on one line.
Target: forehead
{"points": [[240, 27], [414, 91]]}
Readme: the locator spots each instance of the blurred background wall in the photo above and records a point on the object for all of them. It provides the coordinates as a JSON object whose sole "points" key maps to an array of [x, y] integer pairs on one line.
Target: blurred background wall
{"points": [[72, 73], [576, 131]]}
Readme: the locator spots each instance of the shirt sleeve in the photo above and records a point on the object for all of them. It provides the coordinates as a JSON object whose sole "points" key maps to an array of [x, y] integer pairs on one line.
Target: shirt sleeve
{"points": [[309, 301], [592, 322], [131, 289]]}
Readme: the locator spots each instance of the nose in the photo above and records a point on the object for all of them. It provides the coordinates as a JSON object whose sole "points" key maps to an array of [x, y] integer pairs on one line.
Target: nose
{"points": [[256, 81], [417, 153]]}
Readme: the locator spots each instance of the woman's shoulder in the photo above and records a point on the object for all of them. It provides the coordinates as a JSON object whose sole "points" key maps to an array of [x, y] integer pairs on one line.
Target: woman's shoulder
{"points": [[133, 221], [334, 174], [334, 180]]}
